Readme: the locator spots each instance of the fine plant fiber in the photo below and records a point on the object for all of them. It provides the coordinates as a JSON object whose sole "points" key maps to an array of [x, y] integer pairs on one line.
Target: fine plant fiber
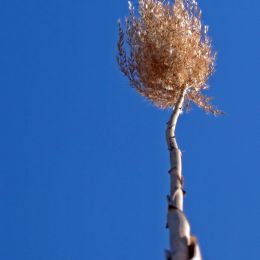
{"points": [[164, 49]]}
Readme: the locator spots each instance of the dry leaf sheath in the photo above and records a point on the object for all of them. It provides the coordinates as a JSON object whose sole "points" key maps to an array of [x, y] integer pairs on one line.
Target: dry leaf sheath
{"points": [[164, 50]]}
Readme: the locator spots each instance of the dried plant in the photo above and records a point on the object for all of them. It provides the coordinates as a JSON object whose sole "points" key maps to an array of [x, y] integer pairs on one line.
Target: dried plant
{"points": [[168, 53]]}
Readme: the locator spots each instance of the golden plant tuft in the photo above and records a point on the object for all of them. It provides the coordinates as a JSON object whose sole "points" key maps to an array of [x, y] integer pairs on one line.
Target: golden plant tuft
{"points": [[168, 51]]}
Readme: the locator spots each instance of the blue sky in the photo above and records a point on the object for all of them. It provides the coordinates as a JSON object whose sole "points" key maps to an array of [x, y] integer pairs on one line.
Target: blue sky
{"points": [[83, 159]]}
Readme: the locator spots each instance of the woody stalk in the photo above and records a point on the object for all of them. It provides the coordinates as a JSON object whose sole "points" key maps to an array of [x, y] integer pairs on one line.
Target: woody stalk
{"points": [[166, 54]]}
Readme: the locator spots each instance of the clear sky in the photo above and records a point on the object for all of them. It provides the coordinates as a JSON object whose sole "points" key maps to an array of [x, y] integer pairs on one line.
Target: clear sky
{"points": [[83, 158]]}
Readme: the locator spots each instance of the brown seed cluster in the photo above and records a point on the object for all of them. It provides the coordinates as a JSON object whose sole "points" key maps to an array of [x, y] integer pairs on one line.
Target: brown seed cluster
{"points": [[168, 51]]}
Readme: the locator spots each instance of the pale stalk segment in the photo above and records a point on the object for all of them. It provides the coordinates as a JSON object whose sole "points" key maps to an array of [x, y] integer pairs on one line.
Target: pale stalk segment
{"points": [[183, 245]]}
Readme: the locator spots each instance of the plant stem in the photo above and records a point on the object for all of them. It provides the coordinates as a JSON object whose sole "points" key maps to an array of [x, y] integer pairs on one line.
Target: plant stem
{"points": [[183, 246]]}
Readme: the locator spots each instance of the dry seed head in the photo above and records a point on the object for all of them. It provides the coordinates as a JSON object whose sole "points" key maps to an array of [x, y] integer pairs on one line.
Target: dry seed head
{"points": [[168, 52]]}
